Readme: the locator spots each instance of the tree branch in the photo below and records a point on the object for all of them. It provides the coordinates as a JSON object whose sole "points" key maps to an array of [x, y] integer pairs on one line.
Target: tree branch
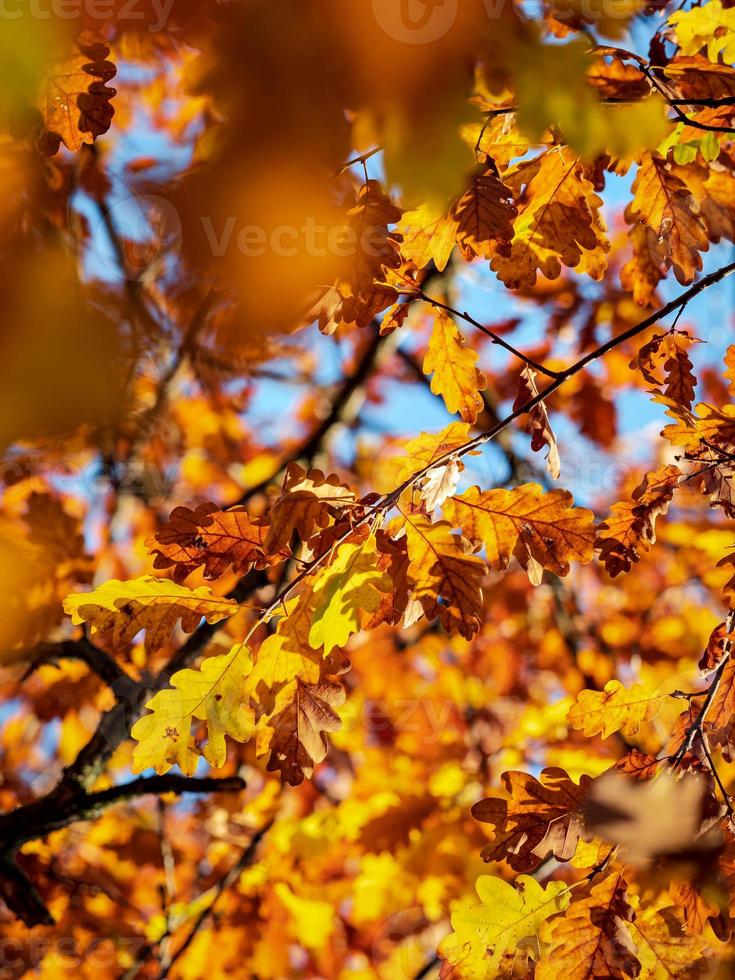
{"points": [[63, 807], [99, 662], [420, 294]]}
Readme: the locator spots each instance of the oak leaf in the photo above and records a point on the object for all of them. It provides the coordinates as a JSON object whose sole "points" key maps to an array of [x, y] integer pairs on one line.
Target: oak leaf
{"points": [[294, 732], [73, 96], [428, 447], [631, 527], [444, 578], [663, 948], [616, 709], [593, 937], [455, 375], [537, 817], [664, 203], [118, 611], [429, 235], [492, 934], [214, 694], [351, 584], [539, 424], [212, 539], [542, 530], [307, 503], [484, 215], [558, 221]]}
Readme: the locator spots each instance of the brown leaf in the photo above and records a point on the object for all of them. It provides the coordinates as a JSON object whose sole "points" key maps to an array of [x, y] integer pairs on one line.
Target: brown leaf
{"points": [[306, 504], [213, 539], [74, 99], [665, 204], [304, 712], [539, 425], [631, 527], [592, 939], [650, 818], [484, 215], [538, 817]]}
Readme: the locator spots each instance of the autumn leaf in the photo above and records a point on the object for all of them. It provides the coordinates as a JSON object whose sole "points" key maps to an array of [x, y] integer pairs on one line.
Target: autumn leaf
{"points": [[455, 376], [213, 694], [73, 96], [536, 818], [212, 539], [351, 584], [663, 202], [484, 215], [616, 709], [651, 818], [444, 578], [593, 938], [429, 235], [294, 732], [709, 27], [118, 611], [490, 935], [662, 946], [558, 222], [307, 503], [630, 530], [427, 448], [539, 425], [542, 530], [374, 250]]}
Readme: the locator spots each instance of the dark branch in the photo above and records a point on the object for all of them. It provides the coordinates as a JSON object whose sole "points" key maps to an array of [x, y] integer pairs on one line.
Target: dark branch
{"points": [[62, 807]]}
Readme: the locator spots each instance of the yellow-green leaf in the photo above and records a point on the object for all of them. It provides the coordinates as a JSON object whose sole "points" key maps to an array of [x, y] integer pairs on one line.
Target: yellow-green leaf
{"points": [[214, 694], [120, 610]]}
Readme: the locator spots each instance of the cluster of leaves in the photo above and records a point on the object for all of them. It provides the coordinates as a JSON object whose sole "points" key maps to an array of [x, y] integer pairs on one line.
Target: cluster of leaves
{"points": [[379, 651]]}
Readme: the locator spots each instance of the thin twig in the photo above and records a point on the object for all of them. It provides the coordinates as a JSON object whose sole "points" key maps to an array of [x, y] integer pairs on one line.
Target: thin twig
{"points": [[496, 339]]}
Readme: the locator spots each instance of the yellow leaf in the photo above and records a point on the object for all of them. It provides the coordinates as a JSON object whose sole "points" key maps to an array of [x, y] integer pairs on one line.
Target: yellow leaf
{"points": [[120, 610], [214, 694], [73, 97], [487, 934], [428, 236], [662, 946], [542, 530], [616, 709], [456, 378], [427, 447], [353, 582], [710, 26]]}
